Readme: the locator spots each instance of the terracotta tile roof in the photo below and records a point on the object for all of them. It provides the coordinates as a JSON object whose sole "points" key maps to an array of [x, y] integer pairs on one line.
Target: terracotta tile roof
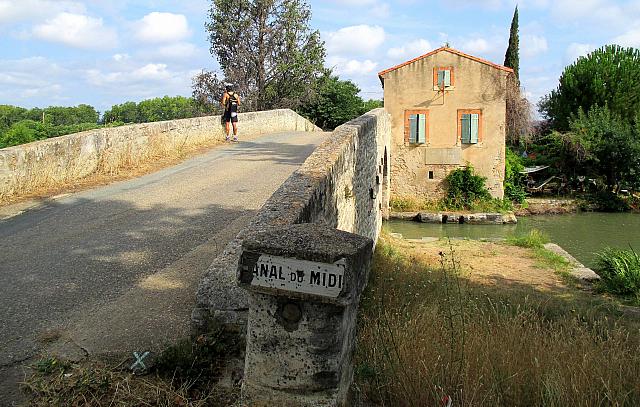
{"points": [[453, 51]]}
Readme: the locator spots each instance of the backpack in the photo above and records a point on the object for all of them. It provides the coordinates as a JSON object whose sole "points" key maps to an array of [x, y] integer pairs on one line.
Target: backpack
{"points": [[232, 102]]}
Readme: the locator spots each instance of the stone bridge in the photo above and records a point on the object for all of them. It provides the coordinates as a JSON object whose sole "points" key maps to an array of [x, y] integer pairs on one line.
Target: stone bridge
{"points": [[114, 269]]}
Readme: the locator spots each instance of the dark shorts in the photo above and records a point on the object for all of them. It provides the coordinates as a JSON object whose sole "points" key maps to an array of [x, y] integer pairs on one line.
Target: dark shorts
{"points": [[229, 117]]}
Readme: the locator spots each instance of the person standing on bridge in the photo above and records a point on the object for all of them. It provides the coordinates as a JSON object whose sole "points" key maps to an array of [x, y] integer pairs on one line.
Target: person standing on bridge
{"points": [[230, 102]]}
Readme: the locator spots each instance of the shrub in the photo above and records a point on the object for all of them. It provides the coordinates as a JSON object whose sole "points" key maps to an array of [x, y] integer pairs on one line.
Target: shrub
{"points": [[513, 180], [465, 188], [534, 240], [619, 270], [607, 201]]}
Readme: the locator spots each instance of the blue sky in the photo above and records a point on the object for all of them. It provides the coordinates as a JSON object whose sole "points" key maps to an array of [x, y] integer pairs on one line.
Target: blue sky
{"points": [[67, 52]]}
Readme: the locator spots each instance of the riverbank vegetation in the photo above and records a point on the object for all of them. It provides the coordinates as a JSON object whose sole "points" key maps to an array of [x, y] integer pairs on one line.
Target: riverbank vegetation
{"points": [[464, 190], [432, 328], [590, 135], [619, 270]]}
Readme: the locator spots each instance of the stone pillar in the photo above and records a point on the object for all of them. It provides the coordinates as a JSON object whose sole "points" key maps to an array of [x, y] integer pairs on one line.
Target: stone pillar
{"points": [[304, 284]]}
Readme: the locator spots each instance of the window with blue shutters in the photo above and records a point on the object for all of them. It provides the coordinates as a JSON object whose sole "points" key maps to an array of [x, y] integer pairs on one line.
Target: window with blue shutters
{"points": [[443, 77], [469, 126], [416, 127]]}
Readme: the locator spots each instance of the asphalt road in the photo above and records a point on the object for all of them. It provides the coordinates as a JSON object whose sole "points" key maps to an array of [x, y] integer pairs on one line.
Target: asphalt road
{"points": [[114, 269]]}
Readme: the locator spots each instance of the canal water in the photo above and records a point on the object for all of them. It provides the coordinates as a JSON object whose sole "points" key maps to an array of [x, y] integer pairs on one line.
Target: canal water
{"points": [[581, 234]]}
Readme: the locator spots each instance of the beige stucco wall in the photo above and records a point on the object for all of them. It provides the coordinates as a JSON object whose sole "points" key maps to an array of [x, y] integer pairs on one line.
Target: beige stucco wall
{"points": [[476, 86]]}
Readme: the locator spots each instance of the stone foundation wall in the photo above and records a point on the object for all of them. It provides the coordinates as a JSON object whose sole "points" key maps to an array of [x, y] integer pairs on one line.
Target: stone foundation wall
{"points": [[64, 159], [341, 185]]}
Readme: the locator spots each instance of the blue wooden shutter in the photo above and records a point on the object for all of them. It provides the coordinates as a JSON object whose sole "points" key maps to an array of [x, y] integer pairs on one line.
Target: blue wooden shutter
{"points": [[465, 126], [422, 121], [475, 126], [447, 78], [441, 78], [413, 128]]}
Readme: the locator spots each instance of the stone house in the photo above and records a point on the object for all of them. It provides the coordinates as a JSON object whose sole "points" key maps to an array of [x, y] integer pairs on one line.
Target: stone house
{"points": [[448, 109]]}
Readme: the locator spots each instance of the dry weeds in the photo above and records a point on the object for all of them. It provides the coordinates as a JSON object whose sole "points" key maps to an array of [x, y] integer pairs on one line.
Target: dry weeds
{"points": [[428, 332], [58, 384], [111, 169]]}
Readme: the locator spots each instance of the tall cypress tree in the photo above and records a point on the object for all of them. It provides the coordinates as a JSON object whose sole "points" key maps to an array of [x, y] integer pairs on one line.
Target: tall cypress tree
{"points": [[512, 57]]}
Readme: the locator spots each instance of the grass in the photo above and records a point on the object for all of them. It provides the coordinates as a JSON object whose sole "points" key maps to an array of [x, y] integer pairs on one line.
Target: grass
{"points": [[185, 374], [536, 240], [412, 204], [426, 334], [620, 272], [533, 240], [56, 383]]}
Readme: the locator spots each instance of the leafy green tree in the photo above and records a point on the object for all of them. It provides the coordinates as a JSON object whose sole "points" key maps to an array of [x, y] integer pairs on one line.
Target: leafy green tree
{"points": [[207, 92], [605, 144], [337, 102], [370, 105], [165, 108], [151, 110], [10, 115], [267, 49], [24, 131], [126, 112], [512, 56], [62, 115], [609, 76]]}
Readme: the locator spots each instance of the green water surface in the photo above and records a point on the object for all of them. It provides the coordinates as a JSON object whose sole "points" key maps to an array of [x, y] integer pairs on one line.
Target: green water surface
{"points": [[581, 234]]}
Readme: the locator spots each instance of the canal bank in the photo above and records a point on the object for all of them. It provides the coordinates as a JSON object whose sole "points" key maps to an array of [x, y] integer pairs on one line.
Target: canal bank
{"points": [[582, 234]]}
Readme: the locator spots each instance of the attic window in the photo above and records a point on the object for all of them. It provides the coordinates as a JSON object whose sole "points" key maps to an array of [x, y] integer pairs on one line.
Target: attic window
{"points": [[443, 77]]}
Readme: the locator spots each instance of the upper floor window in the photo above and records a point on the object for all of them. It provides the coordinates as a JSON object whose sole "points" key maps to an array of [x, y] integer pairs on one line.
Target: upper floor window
{"points": [[443, 77], [470, 126], [416, 126]]}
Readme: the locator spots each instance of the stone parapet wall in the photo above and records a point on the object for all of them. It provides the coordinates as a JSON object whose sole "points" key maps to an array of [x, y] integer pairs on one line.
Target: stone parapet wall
{"points": [[341, 185], [65, 159]]}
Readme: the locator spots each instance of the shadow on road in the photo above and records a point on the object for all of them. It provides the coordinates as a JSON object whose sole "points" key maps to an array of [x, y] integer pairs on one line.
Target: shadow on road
{"points": [[123, 278], [277, 152]]}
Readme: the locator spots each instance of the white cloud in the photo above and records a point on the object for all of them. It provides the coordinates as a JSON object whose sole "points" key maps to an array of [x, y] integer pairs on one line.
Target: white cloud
{"points": [[476, 46], [576, 50], [146, 73], [491, 48], [356, 3], [410, 50], [631, 38], [382, 10], [162, 27], [355, 40], [532, 45], [12, 11], [494, 4], [23, 79], [351, 67], [121, 57], [601, 11], [179, 50], [77, 30]]}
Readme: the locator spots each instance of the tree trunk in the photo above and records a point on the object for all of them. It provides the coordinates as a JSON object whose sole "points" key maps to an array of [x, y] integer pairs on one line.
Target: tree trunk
{"points": [[260, 68]]}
